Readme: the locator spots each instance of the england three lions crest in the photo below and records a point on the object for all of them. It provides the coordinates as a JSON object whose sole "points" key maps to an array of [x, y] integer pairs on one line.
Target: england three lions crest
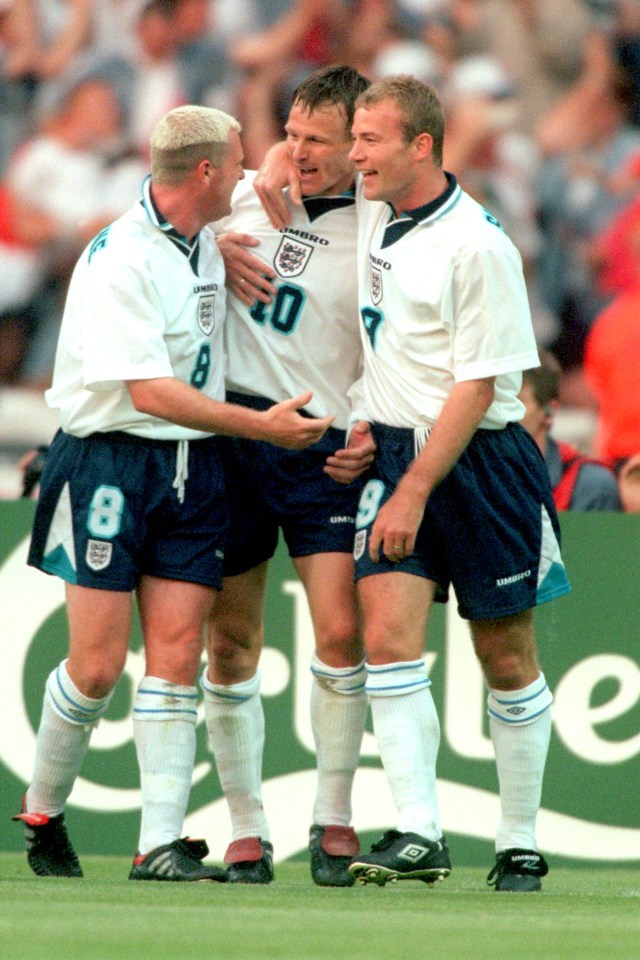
{"points": [[292, 257], [207, 313], [376, 286], [99, 553]]}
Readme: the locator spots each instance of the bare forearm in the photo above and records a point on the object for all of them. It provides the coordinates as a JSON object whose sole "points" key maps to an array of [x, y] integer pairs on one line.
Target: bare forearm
{"points": [[461, 414], [175, 401]]}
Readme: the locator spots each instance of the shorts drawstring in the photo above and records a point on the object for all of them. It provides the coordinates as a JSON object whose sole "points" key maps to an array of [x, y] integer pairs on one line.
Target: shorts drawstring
{"points": [[182, 468]]}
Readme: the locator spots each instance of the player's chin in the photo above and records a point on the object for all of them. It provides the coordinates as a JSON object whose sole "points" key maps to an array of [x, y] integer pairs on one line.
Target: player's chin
{"points": [[370, 186]]}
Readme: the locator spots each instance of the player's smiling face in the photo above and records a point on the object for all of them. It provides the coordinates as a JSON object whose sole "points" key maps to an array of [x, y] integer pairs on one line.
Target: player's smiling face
{"points": [[387, 163], [319, 144]]}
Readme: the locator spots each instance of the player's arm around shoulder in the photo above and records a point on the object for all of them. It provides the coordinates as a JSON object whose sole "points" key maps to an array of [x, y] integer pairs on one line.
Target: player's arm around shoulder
{"points": [[168, 398], [246, 275], [277, 172]]}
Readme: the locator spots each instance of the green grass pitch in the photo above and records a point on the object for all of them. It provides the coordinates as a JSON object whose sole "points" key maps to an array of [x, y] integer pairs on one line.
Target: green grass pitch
{"points": [[590, 914]]}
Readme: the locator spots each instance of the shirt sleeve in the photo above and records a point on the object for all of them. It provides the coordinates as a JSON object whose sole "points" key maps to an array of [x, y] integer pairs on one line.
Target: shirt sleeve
{"points": [[492, 330]]}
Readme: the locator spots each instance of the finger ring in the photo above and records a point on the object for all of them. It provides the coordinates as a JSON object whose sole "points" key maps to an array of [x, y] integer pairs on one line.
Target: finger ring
{"points": [[242, 281]]}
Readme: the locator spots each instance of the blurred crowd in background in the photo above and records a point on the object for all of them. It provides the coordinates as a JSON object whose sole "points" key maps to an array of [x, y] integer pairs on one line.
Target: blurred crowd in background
{"points": [[542, 99]]}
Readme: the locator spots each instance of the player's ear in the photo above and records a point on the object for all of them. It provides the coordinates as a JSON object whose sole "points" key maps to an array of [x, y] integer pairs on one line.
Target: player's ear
{"points": [[204, 172], [423, 145]]}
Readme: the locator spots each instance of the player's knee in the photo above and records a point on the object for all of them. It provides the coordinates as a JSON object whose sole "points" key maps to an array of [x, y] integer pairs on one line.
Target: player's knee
{"points": [[509, 669], [382, 646], [340, 643], [233, 651], [176, 656], [228, 634], [78, 701], [96, 676]]}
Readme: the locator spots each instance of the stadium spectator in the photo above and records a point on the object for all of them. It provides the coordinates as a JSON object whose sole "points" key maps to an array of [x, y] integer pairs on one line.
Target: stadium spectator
{"points": [[578, 482], [587, 146], [21, 272], [308, 334], [629, 484], [172, 62], [536, 42], [275, 59], [497, 162], [15, 91], [51, 39], [614, 253], [139, 368], [611, 371], [65, 183]]}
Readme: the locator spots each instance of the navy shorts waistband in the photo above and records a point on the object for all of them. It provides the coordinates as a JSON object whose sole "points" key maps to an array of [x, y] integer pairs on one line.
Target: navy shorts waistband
{"points": [[121, 437]]}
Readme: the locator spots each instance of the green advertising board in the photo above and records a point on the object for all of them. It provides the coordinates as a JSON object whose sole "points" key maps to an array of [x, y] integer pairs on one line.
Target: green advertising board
{"points": [[588, 644]]}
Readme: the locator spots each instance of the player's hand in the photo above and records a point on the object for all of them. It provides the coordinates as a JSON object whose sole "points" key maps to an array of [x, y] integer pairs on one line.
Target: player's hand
{"points": [[276, 172], [350, 462], [285, 427], [246, 276], [396, 525]]}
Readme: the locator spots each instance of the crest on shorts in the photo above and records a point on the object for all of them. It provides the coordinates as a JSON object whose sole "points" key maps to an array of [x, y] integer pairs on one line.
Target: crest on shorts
{"points": [[99, 553], [207, 313], [376, 286], [359, 543], [292, 257]]}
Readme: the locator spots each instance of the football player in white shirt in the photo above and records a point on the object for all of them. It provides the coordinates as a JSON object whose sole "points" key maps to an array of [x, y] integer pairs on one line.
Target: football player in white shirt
{"points": [[132, 496], [459, 494], [307, 333]]}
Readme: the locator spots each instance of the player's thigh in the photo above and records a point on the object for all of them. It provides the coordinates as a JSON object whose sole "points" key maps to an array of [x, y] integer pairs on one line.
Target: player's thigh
{"points": [[328, 582], [395, 611], [99, 632], [506, 649], [172, 616]]}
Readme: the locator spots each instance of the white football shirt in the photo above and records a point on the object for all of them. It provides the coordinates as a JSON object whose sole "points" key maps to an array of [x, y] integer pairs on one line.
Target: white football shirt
{"points": [[143, 302], [309, 336], [442, 300]]}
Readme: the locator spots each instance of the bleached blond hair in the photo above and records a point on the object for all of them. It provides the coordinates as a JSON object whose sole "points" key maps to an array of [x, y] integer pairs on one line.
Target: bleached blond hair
{"points": [[184, 137]]}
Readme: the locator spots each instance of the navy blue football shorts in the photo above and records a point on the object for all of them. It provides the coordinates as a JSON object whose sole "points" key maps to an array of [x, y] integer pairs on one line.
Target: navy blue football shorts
{"points": [[490, 529], [271, 489], [108, 512]]}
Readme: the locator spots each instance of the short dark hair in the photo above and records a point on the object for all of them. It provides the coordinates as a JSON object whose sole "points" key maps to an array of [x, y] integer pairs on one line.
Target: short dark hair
{"points": [[545, 379], [337, 84], [419, 104]]}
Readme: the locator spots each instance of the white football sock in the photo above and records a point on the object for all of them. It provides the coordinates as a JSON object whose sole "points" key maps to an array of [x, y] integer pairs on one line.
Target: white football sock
{"points": [[68, 719], [164, 730], [338, 714], [520, 726], [407, 729], [235, 724]]}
